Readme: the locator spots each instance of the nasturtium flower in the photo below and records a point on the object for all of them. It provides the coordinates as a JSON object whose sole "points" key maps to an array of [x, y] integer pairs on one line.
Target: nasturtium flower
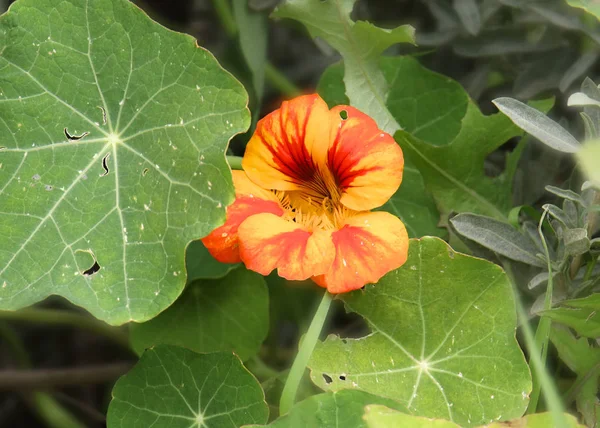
{"points": [[310, 177]]}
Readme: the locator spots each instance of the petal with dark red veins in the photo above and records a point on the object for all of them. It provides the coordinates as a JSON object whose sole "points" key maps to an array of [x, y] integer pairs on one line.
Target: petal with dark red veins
{"points": [[284, 150], [366, 162]]}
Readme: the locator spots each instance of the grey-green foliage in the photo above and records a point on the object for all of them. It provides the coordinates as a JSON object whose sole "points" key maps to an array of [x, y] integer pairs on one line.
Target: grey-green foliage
{"points": [[544, 38], [538, 124], [497, 236]]}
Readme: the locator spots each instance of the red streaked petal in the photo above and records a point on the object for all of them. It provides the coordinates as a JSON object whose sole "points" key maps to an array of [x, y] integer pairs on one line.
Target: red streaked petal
{"points": [[366, 161], [366, 248], [282, 153], [222, 242], [269, 242]]}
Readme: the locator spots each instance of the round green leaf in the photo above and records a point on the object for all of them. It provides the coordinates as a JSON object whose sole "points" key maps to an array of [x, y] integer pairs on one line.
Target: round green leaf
{"points": [[113, 138], [340, 409], [177, 388], [228, 314], [378, 416], [442, 342]]}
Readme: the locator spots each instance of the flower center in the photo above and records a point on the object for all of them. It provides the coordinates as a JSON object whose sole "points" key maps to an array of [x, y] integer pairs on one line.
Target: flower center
{"points": [[316, 205]]}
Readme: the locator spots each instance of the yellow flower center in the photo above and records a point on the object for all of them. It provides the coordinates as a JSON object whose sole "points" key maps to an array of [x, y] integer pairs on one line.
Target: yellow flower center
{"points": [[316, 206]]}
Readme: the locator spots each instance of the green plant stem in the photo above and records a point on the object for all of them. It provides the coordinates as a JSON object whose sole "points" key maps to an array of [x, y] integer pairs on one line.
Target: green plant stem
{"points": [[226, 16], [59, 317], [542, 334], [551, 395], [235, 162], [53, 414], [307, 345], [280, 81], [11, 380], [275, 77]]}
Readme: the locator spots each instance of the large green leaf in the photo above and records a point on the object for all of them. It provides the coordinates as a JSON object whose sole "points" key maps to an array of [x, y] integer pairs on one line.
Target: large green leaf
{"points": [[177, 388], [429, 105], [360, 44], [378, 416], [148, 178], [442, 342], [454, 172], [332, 410], [228, 314]]}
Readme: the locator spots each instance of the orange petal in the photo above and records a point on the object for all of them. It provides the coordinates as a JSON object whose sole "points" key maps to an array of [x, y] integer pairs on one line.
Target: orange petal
{"points": [[268, 242], [366, 161], [282, 152], [366, 248], [222, 242]]}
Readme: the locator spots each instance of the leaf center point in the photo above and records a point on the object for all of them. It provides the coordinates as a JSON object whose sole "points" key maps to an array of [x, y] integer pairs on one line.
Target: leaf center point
{"points": [[114, 139]]}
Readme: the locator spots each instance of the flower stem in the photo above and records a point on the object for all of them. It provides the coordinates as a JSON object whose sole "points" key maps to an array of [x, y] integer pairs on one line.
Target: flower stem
{"points": [[225, 16], [554, 403], [280, 81], [543, 331], [307, 345], [235, 162]]}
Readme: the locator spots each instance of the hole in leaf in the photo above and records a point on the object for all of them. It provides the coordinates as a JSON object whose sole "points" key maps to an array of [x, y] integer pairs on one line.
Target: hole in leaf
{"points": [[105, 165], [75, 137], [84, 259], [327, 378], [144, 172], [48, 187], [103, 115], [92, 270], [342, 377], [344, 114], [450, 253], [36, 177]]}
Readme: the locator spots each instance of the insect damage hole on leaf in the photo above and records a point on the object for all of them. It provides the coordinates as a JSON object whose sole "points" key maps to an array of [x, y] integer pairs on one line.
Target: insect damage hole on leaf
{"points": [[94, 268], [344, 114], [327, 378], [105, 165], [75, 137], [103, 115]]}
